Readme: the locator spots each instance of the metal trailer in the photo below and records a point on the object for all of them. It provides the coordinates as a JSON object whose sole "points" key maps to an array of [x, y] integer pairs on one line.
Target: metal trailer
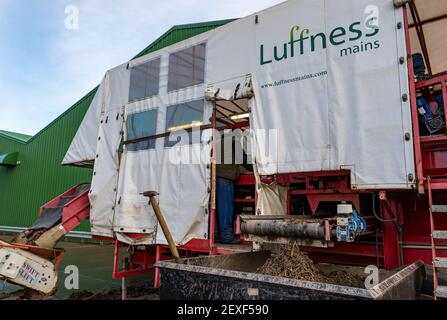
{"points": [[234, 277]]}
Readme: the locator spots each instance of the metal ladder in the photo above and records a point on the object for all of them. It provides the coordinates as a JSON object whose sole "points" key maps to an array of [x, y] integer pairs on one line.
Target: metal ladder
{"points": [[438, 262]]}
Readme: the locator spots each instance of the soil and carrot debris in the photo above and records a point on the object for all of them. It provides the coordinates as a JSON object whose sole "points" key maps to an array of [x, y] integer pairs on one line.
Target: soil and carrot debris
{"points": [[289, 262]]}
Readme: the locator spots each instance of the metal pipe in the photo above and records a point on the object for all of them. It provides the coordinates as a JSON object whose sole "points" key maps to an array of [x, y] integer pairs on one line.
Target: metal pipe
{"points": [[213, 182], [283, 229], [414, 111], [375, 212], [123, 283], [422, 247]]}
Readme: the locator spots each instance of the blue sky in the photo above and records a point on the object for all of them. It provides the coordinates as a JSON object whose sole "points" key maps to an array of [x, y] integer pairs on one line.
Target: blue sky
{"points": [[46, 68]]}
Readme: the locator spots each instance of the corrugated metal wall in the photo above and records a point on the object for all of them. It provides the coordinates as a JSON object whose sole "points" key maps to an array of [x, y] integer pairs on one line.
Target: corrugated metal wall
{"points": [[40, 177], [182, 32]]}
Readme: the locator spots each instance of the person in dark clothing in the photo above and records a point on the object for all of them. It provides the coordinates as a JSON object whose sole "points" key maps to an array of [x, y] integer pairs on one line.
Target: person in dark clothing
{"points": [[228, 170], [226, 175]]}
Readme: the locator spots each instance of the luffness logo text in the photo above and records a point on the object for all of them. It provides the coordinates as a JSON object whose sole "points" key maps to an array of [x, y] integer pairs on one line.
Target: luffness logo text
{"points": [[356, 38]]}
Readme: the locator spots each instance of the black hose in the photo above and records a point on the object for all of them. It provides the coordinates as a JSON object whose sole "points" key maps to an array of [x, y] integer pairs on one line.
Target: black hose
{"points": [[398, 227], [375, 213]]}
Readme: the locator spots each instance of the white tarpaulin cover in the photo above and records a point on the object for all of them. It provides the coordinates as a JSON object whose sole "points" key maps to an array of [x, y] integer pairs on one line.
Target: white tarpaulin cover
{"points": [[83, 147], [327, 96], [339, 107], [272, 198]]}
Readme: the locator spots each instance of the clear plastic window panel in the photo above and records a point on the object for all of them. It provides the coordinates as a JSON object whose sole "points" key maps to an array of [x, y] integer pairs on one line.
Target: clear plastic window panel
{"points": [[144, 80], [187, 67], [139, 125], [182, 117]]}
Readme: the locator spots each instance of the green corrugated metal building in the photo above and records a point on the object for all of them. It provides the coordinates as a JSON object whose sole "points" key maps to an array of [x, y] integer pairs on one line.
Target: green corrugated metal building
{"points": [[31, 173]]}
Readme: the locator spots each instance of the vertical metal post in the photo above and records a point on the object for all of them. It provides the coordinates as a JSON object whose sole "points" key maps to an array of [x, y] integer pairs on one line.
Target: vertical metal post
{"points": [[289, 201], [391, 252], [157, 271], [146, 257], [413, 106], [256, 200], [213, 183], [433, 244], [115, 259], [123, 284]]}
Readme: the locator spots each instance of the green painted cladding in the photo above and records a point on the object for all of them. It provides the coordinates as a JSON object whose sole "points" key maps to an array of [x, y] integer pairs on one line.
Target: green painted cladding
{"points": [[40, 176], [180, 33], [15, 135]]}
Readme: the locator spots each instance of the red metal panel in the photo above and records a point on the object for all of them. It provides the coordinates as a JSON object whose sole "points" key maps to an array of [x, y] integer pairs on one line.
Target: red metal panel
{"points": [[435, 162], [76, 211], [199, 245], [315, 199], [140, 262], [437, 79], [357, 253], [246, 179], [391, 253]]}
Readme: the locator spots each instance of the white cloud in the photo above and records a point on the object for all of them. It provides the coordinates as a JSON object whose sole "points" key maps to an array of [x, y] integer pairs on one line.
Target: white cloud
{"points": [[110, 33]]}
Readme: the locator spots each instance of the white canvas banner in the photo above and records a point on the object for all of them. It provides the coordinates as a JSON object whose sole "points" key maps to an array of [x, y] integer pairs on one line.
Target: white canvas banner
{"points": [[329, 86]]}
